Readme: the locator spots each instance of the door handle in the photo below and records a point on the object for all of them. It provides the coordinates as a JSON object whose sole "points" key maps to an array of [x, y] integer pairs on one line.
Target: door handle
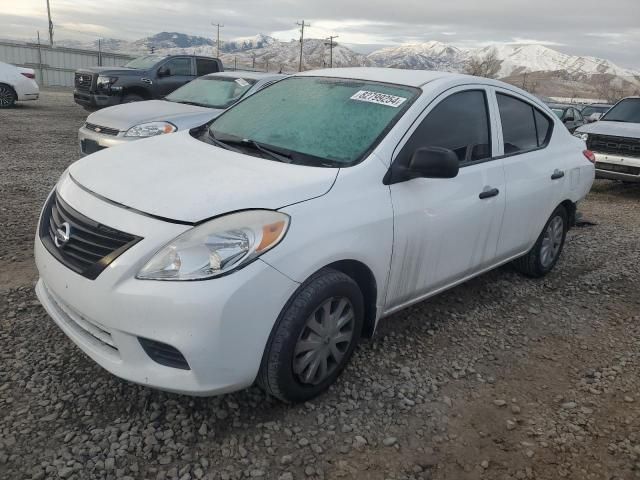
{"points": [[557, 174], [491, 192]]}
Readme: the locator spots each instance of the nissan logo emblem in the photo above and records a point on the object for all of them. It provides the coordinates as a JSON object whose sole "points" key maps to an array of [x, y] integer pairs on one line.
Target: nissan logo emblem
{"points": [[62, 235]]}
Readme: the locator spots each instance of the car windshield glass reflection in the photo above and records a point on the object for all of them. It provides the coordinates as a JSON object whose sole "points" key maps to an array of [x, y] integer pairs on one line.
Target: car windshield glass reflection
{"points": [[316, 120], [212, 92]]}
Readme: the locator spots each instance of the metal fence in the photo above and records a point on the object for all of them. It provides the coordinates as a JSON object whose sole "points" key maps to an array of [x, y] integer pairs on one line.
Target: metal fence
{"points": [[54, 66]]}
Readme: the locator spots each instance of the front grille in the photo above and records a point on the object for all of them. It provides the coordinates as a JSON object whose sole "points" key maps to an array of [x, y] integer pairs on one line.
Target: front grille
{"points": [[85, 246], [626, 147], [614, 167], [164, 354], [83, 81], [101, 129], [90, 146]]}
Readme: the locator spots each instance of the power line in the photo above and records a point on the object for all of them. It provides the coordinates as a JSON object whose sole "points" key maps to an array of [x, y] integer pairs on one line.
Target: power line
{"points": [[219, 26], [302, 25], [331, 45]]}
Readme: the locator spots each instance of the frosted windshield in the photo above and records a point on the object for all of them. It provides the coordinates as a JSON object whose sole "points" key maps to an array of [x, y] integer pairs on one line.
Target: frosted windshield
{"points": [[326, 118], [213, 92]]}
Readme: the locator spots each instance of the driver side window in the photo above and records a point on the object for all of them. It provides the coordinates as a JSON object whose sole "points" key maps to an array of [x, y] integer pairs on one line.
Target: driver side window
{"points": [[179, 66], [460, 123]]}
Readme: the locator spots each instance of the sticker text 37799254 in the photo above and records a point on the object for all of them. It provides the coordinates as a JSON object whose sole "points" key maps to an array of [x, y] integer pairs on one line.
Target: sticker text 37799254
{"points": [[379, 98]]}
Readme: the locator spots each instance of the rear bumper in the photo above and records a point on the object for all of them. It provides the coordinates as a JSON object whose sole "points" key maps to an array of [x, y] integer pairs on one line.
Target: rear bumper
{"points": [[94, 100], [613, 167]]}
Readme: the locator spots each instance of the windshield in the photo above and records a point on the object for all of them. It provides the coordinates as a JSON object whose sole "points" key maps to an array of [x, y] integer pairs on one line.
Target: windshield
{"points": [[587, 111], [317, 118], [143, 63], [559, 112], [212, 92], [627, 110]]}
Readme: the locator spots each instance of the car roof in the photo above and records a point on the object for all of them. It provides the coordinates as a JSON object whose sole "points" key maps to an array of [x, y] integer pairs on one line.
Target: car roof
{"points": [[411, 78], [246, 74]]}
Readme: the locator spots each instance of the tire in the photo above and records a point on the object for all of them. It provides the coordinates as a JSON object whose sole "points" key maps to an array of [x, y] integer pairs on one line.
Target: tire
{"points": [[544, 255], [8, 96], [288, 349], [132, 97]]}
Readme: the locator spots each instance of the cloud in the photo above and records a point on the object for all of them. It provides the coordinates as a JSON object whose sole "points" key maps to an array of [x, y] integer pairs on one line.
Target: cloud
{"points": [[582, 27]]}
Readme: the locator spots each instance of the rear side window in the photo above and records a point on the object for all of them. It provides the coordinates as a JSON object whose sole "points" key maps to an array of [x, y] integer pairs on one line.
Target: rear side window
{"points": [[205, 66], [460, 123], [524, 127]]}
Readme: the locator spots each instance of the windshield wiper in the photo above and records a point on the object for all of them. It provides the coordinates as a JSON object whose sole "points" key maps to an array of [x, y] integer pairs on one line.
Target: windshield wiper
{"points": [[220, 143], [273, 154]]}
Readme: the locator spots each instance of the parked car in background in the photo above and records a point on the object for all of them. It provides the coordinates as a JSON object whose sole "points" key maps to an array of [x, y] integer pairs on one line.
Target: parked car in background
{"points": [[266, 245], [593, 113], [569, 114], [17, 84], [144, 78], [615, 141], [187, 107]]}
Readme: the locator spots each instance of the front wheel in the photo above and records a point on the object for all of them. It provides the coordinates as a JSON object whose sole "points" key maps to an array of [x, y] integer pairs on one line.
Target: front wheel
{"points": [[544, 255], [313, 338], [7, 96]]}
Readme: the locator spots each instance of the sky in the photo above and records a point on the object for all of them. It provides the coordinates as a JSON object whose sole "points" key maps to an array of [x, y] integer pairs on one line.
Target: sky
{"points": [[606, 29]]}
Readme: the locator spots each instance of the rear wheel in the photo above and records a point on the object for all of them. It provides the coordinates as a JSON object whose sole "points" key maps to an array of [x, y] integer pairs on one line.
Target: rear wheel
{"points": [[544, 255], [314, 337], [7, 96]]}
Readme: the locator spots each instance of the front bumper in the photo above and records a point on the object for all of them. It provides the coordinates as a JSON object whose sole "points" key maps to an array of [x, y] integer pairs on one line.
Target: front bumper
{"points": [[220, 326], [615, 167], [95, 100], [90, 141]]}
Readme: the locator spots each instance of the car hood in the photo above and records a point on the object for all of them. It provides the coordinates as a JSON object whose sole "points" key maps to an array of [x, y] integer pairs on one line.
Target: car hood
{"points": [[127, 115], [112, 70], [614, 129], [181, 178]]}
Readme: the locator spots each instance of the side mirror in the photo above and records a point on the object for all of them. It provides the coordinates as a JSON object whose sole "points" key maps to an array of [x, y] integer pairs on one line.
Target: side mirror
{"points": [[434, 162], [426, 162], [569, 119], [164, 72], [595, 117]]}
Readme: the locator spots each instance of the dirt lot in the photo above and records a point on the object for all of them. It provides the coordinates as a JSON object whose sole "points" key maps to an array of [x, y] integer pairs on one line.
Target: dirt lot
{"points": [[500, 378]]}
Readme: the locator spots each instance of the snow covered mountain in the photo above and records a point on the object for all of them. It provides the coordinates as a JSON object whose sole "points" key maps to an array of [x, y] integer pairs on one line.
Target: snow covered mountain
{"points": [[429, 56], [261, 51], [515, 58]]}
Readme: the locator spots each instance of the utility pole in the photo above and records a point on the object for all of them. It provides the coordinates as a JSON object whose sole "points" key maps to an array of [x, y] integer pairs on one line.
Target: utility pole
{"points": [[50, 24], [302, 25], [218, 27], [253, 65], [331, 45]]}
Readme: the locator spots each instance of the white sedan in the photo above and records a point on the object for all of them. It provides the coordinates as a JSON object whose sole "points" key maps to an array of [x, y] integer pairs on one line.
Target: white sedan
{"points": [[263, 247], [17, 84]]}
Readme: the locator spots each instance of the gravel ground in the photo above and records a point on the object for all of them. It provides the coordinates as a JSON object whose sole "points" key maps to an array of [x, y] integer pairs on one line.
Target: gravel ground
{"points": [[501, 378]]}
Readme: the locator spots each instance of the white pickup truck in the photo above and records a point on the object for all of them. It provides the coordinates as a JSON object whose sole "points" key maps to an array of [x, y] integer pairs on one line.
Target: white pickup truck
{"points": [[615, 140]]}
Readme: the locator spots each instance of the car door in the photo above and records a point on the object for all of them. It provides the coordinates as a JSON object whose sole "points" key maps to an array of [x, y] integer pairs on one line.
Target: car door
{"points": [[534, 175], [447, 229], [178, 71]]}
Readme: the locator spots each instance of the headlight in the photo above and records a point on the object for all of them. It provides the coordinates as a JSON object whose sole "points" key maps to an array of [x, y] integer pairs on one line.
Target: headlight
{"points": [[151, 129], [105, 82], [218, 246], [581, 136]]}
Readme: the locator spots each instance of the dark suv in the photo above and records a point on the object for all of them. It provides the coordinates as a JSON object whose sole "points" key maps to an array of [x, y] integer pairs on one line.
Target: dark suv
{"points": [[144, 78]]}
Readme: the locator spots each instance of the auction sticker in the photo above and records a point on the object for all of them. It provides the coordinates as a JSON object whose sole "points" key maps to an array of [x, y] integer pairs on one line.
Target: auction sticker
{"points": [[242, 82], [379, 98]]}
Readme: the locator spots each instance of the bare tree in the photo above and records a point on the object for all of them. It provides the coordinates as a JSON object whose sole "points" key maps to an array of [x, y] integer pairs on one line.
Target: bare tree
{"points": [[487, 66]]}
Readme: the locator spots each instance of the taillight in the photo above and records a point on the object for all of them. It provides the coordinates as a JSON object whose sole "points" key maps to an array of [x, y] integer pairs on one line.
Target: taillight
{"points": [[589, 155], [29, 75]]}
